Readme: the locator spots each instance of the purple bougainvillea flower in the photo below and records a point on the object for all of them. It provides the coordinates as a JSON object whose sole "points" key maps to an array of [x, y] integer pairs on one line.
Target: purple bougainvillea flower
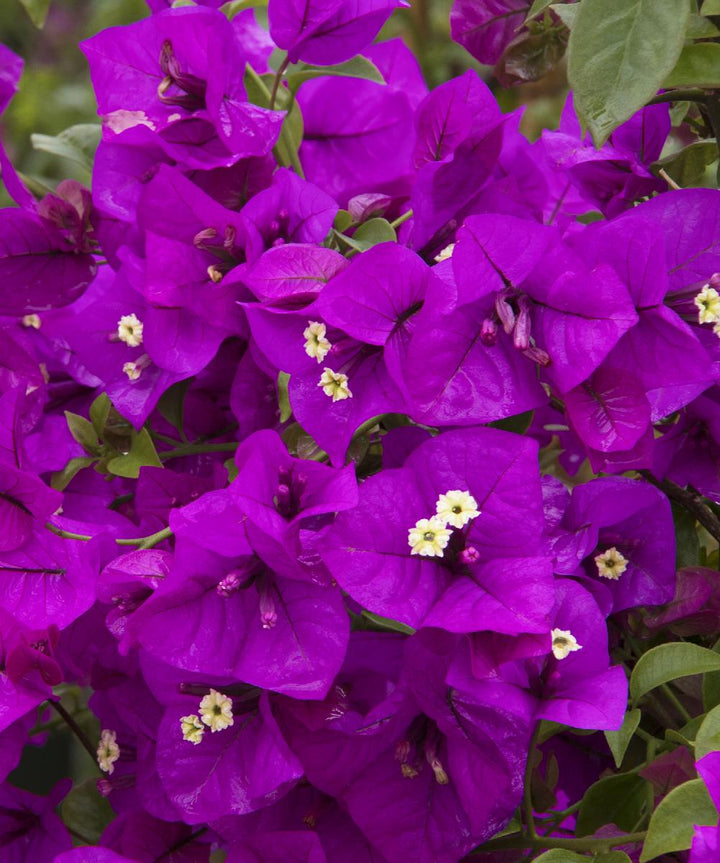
{"points": [[141, 838], [180, 74], [485, 27], [356, 137], [327, 31], [92, 854], [24, 501], [29, 827], [695, 607], [488, 574], [11, 67], [622, 531], [706, 841]]}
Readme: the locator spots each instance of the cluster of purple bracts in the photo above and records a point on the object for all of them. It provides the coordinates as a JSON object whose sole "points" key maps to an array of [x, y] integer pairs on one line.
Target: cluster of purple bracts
{"points": [[340, 658]]}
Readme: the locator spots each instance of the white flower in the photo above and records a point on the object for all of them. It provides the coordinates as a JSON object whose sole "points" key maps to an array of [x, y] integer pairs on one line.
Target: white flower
{"points": [[216, 710], [429, 537], [708, 305], [32, 321], [445, 253], [135, 369], [334, 385], [192, 728], [563, 643], [316, 344], [457, 507], [108, 751], [130, 330], [611, 564]]}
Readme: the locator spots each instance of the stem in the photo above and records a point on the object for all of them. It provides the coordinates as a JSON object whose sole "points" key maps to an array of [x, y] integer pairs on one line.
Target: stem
{"points": [[676, 703], [76, 730], [180, 844], [140, 541], [669, 180], [518, 840], [691, 501], [400, 219], [527, 803], [278, 78], [690, 95]]}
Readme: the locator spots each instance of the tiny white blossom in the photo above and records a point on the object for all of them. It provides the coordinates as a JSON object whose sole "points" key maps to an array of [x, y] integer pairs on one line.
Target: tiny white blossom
{"points": [[192, 728], [31, 321], [334, 385], [457, 507], [108, 751], [134, 369], [316, 344], [445, 253], [429, 537], [563, 643], [130, 330], [611, 564], [216, 710], [708, 305]]}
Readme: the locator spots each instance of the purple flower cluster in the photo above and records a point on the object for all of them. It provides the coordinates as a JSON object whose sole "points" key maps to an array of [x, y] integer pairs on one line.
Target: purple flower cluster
{"points": [[335, 646]]}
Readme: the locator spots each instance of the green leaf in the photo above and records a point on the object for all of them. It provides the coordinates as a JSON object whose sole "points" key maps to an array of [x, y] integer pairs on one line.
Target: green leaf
{"points": [[342, 220], [672, 823], [86, 811], [708, 736], [619, 53], [701, 28], [99, 412], [688, 168], [283, 398], [687, 542], [567, 14], [619, 740], [291, 135], [61, 479], [519, 423], [234, 7], [711, 7], [142, 454], [78, 144], [678, 112], [711, 685], [537, 7], [668, 662], [358, 67], [172, 404], [618, 800], [370, 234], [388, 623], [557, 855], [37, 10], [698, 66], [83, 432]]}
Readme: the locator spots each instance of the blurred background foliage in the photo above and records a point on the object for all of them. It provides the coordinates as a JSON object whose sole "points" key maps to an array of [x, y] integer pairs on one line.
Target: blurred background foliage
{"points": [[55, 90]]}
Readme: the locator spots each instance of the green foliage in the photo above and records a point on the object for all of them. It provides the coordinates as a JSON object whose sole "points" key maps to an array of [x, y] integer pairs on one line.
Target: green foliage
{"points": [[618, 800], [172, 405], [672, 823], [687, 168], [358, 67], [78, 144], [283, 397], [557, 855], [619, 740], [37, 10], [369, 234], [708, 736], [698, 66], [620, 52], [668, 662], [86, 812]]}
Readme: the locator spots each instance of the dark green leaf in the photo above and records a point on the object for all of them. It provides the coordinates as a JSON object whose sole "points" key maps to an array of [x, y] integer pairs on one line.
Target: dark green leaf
{"points": [[172, 404], [342, 220], [231, 468], [688, 168], [99, 412], [283, 398], [668, 662], [619, 54], [291, 136], [388, 624], [708, 736], [701, 28], [358, 67], [619, 740], [86, 811], [711, 684], [711, 7], [698, 66], [537, 7], [686, 536], [369, 234], [672, 823], [142, 454], [83, 432], [78, 144], [519, 424], [37, 10], [615, 800], [61, 479]]}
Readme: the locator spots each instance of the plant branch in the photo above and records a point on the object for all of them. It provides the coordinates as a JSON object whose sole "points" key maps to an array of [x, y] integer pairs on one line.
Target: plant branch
{"points": [[76, 730], [689, 500]]}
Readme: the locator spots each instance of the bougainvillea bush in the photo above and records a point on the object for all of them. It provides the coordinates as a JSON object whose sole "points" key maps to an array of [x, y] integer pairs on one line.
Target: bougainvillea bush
{"points": [[360, 459]]}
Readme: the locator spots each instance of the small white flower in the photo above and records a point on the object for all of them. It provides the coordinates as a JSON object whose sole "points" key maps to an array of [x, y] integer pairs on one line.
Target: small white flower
{"points": [[563, 643], [130, 330], [135, 369], [216, 710], [429, 537], [457, 507], [611, 564], [192, 728], [708, 305], [334, 385], [31, 321], [316, 344], [445, 253], [108, 751]]}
